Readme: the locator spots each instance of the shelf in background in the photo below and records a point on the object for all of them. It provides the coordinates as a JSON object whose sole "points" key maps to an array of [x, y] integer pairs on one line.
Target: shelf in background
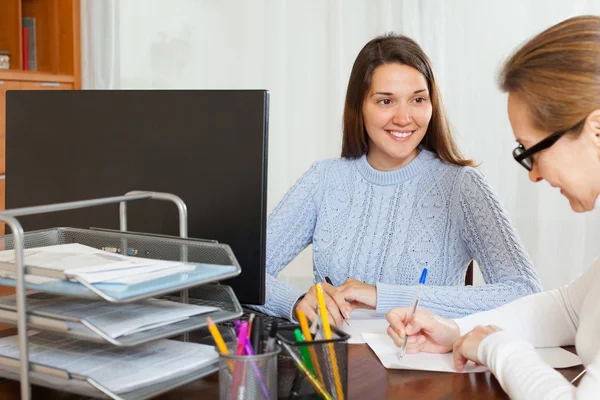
{"points": [[42, 36], [34, 76]]}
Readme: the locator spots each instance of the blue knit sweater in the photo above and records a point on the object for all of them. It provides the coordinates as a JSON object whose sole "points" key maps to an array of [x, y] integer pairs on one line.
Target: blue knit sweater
{"points": [[382, 228]]}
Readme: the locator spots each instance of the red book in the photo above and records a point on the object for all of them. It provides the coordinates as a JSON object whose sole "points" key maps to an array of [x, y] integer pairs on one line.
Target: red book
{"points": [[25, 52]]}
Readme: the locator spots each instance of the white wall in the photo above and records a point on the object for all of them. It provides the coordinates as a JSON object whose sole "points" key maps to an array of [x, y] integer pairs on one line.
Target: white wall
{"points": [[302, 51]]}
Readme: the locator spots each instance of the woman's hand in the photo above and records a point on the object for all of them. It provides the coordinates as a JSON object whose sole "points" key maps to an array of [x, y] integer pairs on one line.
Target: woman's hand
{"points": [[334, 302], [359, 294], [426, 332], [467, 346]]}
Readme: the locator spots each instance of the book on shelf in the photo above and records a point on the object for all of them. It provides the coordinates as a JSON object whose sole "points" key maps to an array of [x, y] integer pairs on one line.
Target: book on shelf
{"points": [[25, 38], [78, 262], [30, 43]]}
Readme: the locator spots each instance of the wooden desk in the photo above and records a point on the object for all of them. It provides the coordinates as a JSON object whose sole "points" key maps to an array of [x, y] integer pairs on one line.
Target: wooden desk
{"points": [[367, 379]]}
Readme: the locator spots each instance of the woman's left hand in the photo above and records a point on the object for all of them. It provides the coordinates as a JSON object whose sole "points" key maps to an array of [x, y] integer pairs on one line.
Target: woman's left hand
{"points": [[359, 294], [466, 347]]}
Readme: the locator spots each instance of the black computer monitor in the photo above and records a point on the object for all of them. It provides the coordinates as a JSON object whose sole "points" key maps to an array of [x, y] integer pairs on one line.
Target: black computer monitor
{"points": [[208, 147]]}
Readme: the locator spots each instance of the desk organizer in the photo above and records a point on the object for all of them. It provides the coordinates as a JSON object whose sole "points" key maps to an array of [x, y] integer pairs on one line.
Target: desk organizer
{"points": [[215, 262]]}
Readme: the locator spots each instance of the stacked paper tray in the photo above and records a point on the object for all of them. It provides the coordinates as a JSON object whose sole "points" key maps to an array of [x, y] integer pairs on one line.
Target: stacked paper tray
{"points": [[214, 262], [112, 375], [87, 387], [220, 299]]}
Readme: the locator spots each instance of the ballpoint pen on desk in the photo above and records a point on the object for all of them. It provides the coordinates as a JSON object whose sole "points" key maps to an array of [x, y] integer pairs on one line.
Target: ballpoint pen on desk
{"points": [[327, 332], [344, 314], [414, 308]]}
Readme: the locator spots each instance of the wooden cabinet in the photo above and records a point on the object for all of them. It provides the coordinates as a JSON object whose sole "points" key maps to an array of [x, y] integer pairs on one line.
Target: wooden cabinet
{"points": [[46, 86], [57, 54], [53, 36], [4, 86]]}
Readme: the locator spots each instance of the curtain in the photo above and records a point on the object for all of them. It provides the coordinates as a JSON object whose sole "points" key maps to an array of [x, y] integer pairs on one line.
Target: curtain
{"points": [[302, 52]]}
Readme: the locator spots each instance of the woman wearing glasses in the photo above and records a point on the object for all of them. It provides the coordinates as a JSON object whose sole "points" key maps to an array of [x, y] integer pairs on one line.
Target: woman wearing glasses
{"points": [[553, 85]]}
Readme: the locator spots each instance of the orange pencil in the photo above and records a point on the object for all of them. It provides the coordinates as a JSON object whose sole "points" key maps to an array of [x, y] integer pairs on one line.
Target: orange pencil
{"points": [[308, 338]]}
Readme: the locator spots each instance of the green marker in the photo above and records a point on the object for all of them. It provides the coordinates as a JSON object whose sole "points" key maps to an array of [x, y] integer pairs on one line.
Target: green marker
{"points": [[304, 351]]}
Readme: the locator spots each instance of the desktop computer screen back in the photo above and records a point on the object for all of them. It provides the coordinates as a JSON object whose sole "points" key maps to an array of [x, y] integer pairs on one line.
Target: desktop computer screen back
{"points": [[208, 147]]}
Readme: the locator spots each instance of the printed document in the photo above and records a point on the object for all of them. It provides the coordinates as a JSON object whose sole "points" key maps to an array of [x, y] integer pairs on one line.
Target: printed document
{"points": [[119, 369], [77, 261], [115, 320]]}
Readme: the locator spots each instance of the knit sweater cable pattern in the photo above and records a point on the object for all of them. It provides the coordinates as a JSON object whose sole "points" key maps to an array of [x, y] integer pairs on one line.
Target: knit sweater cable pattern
{"points": [[382, 228]]}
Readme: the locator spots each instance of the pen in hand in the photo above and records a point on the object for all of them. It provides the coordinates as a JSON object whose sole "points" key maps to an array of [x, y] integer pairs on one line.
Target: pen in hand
{"points": [[414, 309], [344, 315]]}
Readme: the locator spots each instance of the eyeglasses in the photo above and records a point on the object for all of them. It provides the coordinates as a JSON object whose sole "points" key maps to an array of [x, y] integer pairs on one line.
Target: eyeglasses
{"points": [[525, 156]]}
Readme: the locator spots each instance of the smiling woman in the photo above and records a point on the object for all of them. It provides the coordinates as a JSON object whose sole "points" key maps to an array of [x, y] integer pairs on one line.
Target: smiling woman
{"points": [[400, 198], [396, 113]]}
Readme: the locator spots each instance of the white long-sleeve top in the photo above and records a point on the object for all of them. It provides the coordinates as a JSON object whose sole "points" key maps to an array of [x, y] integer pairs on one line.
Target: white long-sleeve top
{"points": [[566, 316]]}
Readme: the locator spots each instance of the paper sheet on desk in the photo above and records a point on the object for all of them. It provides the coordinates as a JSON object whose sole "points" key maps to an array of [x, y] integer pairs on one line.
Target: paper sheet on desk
{"points": [[364, 321], [387, 352]]}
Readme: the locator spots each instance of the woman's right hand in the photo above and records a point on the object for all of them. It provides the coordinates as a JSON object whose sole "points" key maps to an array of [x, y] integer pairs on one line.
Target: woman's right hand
{"points": [[334, 302], [426, 332]]}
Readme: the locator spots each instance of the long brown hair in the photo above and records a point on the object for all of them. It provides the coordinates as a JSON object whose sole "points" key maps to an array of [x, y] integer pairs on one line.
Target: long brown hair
{"points": [[557, 73], [390, 49]]}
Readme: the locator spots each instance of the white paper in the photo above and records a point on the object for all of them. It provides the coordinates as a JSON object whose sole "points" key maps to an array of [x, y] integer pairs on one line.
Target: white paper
{"points": [[128, 272], [120, 369], [132, 280], [94, 266], [115, 320], [558, 357], [387, 352], [364, 321]]}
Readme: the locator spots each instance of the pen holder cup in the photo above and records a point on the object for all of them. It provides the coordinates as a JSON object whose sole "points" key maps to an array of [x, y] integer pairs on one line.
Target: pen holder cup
{"points": [[248, 377], [329, 359]]}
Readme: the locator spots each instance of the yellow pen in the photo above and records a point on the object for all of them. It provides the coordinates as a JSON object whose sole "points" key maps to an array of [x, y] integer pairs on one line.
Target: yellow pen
{"points": [[308, 338], [327, 330]]}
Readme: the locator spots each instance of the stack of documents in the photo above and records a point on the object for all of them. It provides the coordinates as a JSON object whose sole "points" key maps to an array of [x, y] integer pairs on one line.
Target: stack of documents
{"points": [[78, 262], [118, 369], [113, 320]]}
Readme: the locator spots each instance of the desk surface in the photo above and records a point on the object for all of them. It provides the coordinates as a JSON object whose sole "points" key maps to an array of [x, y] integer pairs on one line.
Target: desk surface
{"points": [[367, 379]]}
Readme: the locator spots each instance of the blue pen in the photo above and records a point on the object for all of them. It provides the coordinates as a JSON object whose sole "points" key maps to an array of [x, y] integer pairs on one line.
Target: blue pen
{"points": [[414, 309]]}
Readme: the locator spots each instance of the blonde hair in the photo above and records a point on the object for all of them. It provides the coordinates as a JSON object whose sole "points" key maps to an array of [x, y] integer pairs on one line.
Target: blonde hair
{"points": [[557, 73]]}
